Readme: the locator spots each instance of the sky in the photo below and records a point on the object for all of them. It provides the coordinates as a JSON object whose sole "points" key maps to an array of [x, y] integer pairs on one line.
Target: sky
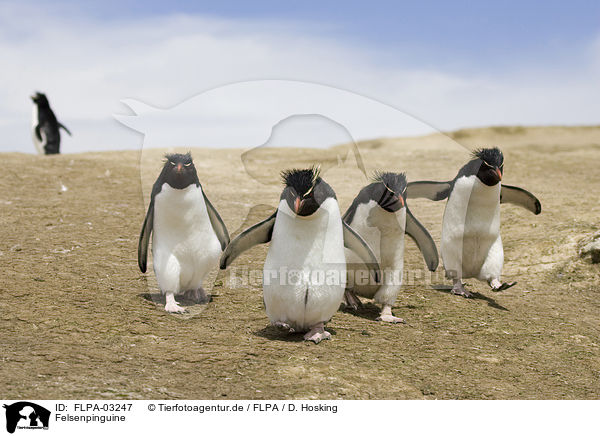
{"points": [[447, 64]]}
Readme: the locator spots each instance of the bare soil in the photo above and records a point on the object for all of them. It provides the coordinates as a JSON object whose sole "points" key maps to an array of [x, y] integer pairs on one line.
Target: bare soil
{"points": [[78, 319]]}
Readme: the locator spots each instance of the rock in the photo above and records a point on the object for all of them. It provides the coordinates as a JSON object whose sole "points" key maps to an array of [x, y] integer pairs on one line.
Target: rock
{"points": [[590, 246]]}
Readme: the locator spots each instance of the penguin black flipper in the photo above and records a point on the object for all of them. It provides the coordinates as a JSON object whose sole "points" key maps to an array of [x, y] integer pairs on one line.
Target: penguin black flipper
{"points": [[38, 133], [435, 191], [145, 237], [520, 197], [354, 242], [257, 234], [148, 226], [217, 223], [423, 239], [64, 127]]}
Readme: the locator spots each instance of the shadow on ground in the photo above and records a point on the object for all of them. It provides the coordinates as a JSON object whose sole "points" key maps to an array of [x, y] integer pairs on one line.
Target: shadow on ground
{"points": [[476, 296], [273, 333]]}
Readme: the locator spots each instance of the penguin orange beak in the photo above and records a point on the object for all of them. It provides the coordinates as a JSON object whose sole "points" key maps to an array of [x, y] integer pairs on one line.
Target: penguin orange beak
{"points": [[401, 200], [297, 205], [179, 168], [499, 173]]}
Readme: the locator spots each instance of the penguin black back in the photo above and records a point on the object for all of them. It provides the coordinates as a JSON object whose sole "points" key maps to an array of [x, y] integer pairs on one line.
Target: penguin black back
{"points": [[388, 190], [46, 128], [45, 114]]}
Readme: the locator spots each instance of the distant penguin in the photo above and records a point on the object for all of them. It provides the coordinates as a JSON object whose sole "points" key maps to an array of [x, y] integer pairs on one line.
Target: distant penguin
{"points": [[188, 233], [471, 243], [305, 270], [380, 215], [44, 126]]}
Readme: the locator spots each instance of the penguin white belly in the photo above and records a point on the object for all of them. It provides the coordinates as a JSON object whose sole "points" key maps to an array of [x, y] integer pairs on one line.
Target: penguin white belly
{"points": [[34, 122], [383, 231], [305, 269], [184, 245], [471, 230]]}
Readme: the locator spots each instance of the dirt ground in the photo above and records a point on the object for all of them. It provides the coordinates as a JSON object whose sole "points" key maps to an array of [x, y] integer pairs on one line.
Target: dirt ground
{"points": [[78, 319]]}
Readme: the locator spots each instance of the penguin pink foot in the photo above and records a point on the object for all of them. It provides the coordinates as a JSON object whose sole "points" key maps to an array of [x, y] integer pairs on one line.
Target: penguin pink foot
{"points": [[317, 333], [387, 316], [172, 306], [458, 288]]}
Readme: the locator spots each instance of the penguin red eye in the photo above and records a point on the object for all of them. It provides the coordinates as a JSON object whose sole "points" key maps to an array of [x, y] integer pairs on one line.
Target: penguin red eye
{"points": [[172, 163], [187, 164]]}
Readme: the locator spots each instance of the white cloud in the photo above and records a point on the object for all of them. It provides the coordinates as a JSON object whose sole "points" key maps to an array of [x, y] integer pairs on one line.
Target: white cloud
{"points": [[87, 66]]}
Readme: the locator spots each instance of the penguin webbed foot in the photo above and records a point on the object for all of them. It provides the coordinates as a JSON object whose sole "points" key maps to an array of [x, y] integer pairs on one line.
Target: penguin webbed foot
{"points": [[351, 300], [391, 319], [172, 306], [459, 289], [387, 316], [317, 333], [497, 286], [283, 326]]}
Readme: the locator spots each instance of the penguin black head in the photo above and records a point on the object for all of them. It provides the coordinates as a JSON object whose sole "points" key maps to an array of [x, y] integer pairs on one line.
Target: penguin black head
{"points": [[40, 99], [388, 190], [179, 171], [490, 163], [304, 190]]}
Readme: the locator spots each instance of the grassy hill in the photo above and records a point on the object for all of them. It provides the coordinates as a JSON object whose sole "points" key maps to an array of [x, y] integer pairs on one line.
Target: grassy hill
{"points": [[79, 320]]}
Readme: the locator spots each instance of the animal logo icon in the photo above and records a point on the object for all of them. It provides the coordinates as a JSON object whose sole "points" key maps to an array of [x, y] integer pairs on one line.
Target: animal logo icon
{"points": [[24, 414]]}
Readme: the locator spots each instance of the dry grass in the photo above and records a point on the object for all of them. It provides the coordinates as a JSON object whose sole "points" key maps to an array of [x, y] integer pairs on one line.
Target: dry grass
{"points": [[76, 324]]}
